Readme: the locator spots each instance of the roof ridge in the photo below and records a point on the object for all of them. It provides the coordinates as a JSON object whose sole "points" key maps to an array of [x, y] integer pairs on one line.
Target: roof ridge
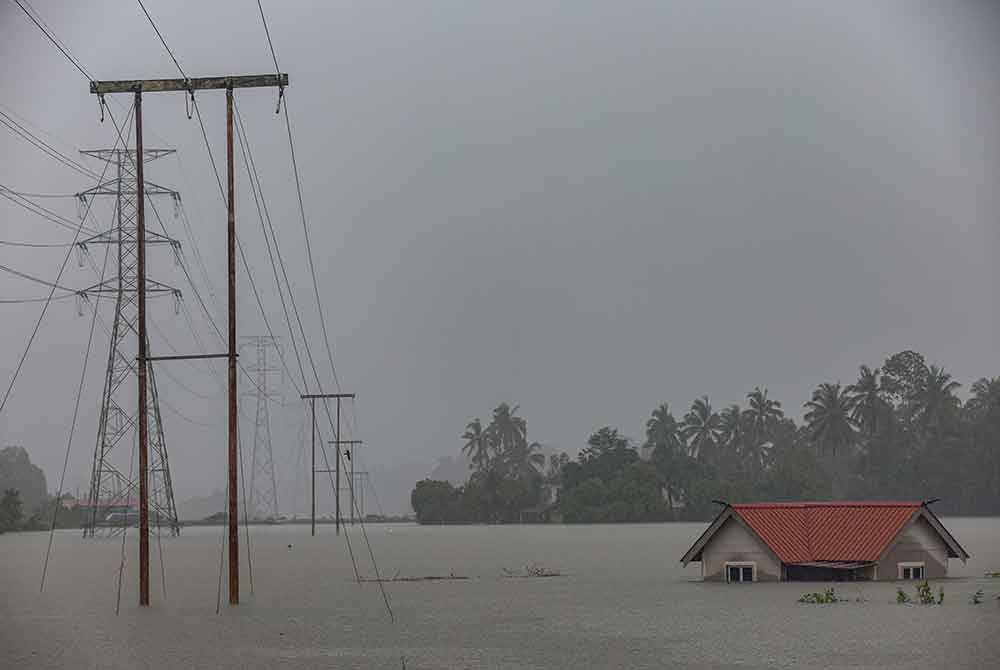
{"points": [[835, 503]]}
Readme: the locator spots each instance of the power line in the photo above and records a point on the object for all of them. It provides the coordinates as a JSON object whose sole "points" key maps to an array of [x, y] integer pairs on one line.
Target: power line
{"points": [[44, 195], [27, 122], [305, 230], [319, 307], [162, 41], [33, 245], [72, 427], [43, 212], [268, 34], [53, 39], [24, 301], [25, 275], [45, 308], [254, 187], [44, 146]]}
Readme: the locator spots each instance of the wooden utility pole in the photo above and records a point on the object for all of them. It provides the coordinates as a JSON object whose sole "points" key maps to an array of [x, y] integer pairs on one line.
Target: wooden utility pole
{"points": [[350, 444], [234, 531], [312, 398], [142, 363], [188, 86]]}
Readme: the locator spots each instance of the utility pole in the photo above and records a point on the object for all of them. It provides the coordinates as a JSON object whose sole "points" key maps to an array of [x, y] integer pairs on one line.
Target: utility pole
{"points": [[189, 86], [350, 445], [311, 397], [143, 417], [350, 459], [360, 480]]}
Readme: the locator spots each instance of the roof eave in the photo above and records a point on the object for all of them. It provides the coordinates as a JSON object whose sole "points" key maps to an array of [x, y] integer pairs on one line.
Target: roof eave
{"points": [[694, 553]]}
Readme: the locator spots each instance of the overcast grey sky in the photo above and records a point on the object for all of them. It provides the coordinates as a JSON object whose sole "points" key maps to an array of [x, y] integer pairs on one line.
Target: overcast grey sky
{"points": [[586, 208]]}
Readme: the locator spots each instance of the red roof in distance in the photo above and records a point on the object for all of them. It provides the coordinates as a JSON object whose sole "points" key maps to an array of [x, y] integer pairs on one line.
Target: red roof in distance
{"points": [[801, 532]]}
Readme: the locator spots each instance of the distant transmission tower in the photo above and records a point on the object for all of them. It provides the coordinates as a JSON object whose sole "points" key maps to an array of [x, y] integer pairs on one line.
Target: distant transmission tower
{"points": [[113, 483], [263, 484]]}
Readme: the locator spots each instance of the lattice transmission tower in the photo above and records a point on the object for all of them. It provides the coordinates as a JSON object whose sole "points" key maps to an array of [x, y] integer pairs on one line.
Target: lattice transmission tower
{"points": [[114, 479], [263, 483]]}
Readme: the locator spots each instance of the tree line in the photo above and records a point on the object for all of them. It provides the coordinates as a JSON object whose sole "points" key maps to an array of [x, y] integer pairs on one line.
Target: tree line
{"points": [[899, 431]]}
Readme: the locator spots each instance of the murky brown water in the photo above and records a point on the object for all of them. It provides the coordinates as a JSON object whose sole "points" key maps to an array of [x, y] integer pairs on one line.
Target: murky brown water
{"points": [[624, 602]]}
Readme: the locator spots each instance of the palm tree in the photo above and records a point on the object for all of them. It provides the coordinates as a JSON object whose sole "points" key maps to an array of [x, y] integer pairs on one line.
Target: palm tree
{"points": [[477, 446], [829, 418], [869, 401], [984, 411], [831, 428], [985, 396], [525, 459], [663, 437], [508, 431], [731, 429], [701, 429], [762, 415], [934, 400], [662, 430]]}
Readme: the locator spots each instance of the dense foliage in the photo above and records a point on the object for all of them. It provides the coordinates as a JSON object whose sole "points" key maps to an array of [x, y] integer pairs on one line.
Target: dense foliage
{"points": [[899, 431], [505, 481], [10, 511], [19, 473]]}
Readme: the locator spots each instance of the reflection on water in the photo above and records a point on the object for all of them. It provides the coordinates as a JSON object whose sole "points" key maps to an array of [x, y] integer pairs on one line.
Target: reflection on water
{"points": [[623, 602]]}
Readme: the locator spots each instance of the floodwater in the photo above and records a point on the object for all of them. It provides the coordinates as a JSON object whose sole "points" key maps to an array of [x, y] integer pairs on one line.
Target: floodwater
{"points": [[623, 601]]}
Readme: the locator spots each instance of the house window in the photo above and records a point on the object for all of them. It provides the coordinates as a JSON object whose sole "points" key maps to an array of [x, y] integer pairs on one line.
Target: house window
{"points": [[911, 570], [738, 572]]}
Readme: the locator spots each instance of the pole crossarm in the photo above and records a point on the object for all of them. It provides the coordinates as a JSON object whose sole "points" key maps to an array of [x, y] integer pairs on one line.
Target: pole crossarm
{"points": [[152, 287], [191, 84], [186, 357], [110, 187], [110, 154], [326, 395], [111, 237]]}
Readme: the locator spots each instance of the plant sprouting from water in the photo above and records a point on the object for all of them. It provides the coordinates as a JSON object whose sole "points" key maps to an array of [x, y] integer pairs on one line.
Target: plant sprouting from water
{"points": [[925, 595], [816, 598]]}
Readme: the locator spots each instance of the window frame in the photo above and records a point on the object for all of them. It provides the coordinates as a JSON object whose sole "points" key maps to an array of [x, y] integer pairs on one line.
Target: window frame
{"points": [[740, 564], [911, 565]]}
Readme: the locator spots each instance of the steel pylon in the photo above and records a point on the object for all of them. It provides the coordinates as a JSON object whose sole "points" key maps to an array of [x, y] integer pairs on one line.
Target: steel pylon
{"points": [[263, 485], [114, 478]]}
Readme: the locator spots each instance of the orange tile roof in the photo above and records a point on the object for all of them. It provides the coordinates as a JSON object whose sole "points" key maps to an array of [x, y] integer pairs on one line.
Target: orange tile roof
{"points": [[831, 531]]}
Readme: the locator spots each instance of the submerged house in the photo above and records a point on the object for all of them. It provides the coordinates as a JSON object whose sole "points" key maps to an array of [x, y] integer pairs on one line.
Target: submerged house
{"points": [[824, 541]]}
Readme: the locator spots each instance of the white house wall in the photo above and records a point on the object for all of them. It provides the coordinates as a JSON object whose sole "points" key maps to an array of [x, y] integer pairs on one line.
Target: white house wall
{"points": [[919, 542], [733, 542]]}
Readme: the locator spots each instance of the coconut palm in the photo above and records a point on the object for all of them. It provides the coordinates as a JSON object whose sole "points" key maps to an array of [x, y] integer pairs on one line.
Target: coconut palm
{"points": [[508, 430], [663, 437], [985, 396], [828, 420], [701, 429], [525, 459], [762, 415], [477, 446], [934, 400], [662, 430], [731, 429], [869, 401]]}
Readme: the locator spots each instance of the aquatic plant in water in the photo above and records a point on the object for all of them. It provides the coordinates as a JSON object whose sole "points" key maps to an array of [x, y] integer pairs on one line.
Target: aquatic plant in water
{"points": [[816, 598]]}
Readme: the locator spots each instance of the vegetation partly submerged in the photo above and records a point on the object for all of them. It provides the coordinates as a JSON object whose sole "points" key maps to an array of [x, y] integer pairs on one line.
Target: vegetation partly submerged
{"points": [[899, 431]]}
